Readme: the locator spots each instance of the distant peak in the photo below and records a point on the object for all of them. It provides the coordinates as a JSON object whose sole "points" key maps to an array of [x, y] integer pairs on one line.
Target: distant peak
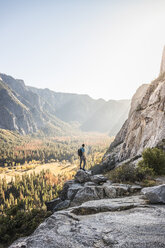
{"points": [[162, 67]]}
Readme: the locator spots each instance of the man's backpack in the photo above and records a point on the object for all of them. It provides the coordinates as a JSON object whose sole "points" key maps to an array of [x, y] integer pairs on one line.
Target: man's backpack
{"points": [[80, 152]]}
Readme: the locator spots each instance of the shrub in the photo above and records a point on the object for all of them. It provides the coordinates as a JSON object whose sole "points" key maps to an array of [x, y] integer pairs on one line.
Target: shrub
{"points": [[130, 173], [152, 163], [123, 173], [143, 172], [153, 158]]}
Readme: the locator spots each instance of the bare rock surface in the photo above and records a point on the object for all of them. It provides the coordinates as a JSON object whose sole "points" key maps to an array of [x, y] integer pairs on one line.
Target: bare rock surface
{"points": [[106, 205], [85, 194], [121, 189], [110, 191], [62, 205], [99, 179], [52, 204], [72, 190], [82, 176], [64, 192], [123, 227], [155, 194]]}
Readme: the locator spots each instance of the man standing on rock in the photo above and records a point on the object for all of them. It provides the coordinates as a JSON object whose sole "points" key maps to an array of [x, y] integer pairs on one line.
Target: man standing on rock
{"points": [[81, 153]]}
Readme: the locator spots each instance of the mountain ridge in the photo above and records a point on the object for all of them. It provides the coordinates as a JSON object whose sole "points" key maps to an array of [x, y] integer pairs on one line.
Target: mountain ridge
{"points": [[83, 109], [60, 113]]}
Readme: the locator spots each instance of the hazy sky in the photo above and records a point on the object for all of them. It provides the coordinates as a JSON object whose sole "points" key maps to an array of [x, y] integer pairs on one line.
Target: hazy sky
{"points": [[104, 48]]}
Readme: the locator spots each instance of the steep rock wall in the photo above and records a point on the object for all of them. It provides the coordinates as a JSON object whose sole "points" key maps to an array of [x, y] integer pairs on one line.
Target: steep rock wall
{"points": [[145, 126]]}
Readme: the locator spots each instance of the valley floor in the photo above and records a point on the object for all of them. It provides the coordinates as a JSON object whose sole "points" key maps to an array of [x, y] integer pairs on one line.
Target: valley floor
{"points": [[56, 168]]}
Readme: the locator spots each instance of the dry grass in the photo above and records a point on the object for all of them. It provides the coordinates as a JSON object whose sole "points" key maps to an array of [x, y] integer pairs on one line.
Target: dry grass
{"points": [[55, 168]]}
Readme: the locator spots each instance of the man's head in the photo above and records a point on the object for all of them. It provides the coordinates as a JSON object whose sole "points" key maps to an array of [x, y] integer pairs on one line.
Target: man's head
{"points": [[83, 145]]}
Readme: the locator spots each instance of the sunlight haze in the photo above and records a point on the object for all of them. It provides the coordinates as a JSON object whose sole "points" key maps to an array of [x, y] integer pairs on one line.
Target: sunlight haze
{"points": [[105, 49]]}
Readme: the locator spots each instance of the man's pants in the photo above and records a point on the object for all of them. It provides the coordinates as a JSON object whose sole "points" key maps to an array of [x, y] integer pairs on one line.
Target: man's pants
{"points": [[84, 162]]}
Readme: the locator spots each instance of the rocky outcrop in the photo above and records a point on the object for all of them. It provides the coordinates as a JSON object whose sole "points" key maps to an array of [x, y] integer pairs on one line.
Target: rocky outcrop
{"points": [[109, 220], [52, 204], [145, 126], [82, 176], [87, 187], [107, 205], [121, 227], [155, 194]]}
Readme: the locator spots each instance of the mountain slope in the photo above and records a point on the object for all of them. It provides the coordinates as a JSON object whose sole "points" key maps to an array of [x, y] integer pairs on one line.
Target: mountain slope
{"points": [[69, 107], [92, 115], [59, 113], [14, 114], [24, 111]]}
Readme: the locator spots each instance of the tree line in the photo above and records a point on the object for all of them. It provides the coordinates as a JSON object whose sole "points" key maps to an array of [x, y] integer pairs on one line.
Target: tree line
{"points": [[22, 203], [32, 191], [45, 152]]}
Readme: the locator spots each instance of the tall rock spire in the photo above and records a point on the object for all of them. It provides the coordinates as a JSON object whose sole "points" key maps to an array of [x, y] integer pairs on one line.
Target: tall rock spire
{"points": [[162, 67]]}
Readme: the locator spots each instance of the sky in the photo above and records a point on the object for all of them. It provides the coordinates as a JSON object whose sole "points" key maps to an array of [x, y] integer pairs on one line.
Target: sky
{"points": [[103, 48]]}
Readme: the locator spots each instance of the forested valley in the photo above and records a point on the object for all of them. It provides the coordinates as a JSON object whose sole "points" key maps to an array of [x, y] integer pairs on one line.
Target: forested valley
{"points": [[23, 197]]}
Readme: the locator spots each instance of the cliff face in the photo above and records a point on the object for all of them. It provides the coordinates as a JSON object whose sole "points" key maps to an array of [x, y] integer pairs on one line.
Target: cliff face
{"points": [[145, 126]]}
